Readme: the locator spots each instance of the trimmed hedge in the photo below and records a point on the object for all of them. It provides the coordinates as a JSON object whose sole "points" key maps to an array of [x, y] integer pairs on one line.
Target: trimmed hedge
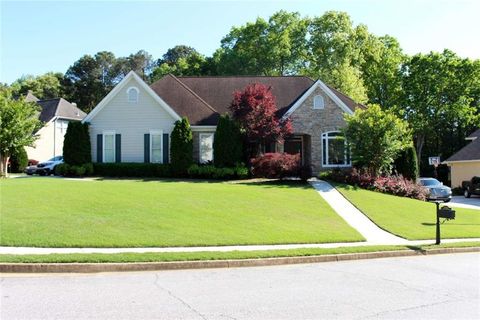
{"points": [[76, 145], [212, 172], [154, 170], [68, 170], [181, 150], [227, 143]]}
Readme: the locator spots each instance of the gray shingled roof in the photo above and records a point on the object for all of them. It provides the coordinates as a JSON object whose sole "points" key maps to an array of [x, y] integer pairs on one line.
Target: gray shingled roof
{"points": [[468, 153], [474, 135], [59, 107]]}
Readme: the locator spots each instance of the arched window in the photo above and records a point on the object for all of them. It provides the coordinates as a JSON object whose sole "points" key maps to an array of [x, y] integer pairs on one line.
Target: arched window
{"points": [[335, 150], [318, 102], [132, 95]]}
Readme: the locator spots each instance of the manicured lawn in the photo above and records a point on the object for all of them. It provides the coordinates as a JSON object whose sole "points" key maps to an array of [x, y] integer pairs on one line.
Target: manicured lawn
{"points": [[53, 212], [195, 256], [411, 219]]}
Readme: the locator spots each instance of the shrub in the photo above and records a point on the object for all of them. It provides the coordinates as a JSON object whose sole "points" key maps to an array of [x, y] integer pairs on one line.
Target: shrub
{"points": [[71, 170], [181, 151], [406, 164], [135, 170], [18, 161], [212, 172], [227, 143], [76, 145], [391, 184], [276, 165]]}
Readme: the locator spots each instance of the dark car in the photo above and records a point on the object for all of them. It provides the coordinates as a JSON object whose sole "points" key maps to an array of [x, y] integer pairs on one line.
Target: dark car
{"points": [[437, 191], [471, 187]]}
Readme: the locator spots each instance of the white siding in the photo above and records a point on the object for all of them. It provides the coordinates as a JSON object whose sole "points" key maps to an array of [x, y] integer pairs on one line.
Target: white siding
{"points": [[131, 120], [49, 143]]}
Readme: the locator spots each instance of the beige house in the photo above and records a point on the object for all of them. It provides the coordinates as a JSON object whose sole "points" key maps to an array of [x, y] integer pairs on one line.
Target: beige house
{"points": [[55, 115], [134, 121], [465, 164]]}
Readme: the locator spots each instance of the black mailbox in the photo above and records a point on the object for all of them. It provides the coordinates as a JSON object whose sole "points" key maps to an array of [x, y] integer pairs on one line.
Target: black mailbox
{"points": [[446, 212]]}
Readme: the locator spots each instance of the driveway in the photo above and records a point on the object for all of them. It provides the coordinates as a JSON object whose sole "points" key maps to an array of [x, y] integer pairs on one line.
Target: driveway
{"points": [[462, 202], [421, 287]]}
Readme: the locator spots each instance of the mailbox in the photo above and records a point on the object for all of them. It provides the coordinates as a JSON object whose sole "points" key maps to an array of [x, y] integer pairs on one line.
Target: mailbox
{"points": [[446, 212]]}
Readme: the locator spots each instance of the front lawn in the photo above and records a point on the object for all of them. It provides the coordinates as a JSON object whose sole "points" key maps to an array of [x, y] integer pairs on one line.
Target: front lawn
{"points": [[54, 212], [409, 218]]}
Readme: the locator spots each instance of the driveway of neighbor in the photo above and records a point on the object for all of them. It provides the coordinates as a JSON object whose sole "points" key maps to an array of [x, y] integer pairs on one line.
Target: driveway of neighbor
{"points": [[462, 202]]}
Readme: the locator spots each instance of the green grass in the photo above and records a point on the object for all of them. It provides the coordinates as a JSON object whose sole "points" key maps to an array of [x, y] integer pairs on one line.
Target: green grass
{"points": [[47, 212], [409, 218], [201, 256]]}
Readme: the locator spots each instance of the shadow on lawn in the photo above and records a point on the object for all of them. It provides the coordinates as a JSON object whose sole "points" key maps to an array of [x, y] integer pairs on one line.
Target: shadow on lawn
{"points": [[430, 224]]}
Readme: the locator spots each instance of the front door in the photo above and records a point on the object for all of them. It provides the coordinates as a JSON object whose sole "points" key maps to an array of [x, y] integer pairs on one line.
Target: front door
{"points": [[293, 146]]}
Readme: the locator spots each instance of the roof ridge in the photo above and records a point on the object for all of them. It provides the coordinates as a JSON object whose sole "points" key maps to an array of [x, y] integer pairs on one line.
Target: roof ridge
{"points": [[193, 93], [248, 76], [49, 99]]}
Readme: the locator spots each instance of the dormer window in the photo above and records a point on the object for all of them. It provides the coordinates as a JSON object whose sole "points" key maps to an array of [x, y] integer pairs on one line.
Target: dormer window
{"points": [[318, 102], [132, 95]]}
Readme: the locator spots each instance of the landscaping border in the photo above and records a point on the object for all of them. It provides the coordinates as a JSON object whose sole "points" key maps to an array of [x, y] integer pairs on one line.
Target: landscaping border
{"points": [[197, 264]]}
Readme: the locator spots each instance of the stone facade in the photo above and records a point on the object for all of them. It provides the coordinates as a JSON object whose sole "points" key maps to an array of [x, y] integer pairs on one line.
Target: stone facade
{"points": [[313, 122]]}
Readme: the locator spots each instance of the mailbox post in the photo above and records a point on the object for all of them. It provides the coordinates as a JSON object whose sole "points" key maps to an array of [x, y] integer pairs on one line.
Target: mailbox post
{"points": [[443, 212]]}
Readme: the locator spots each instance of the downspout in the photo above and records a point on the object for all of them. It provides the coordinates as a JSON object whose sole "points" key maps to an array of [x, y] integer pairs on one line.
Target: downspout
{"points": [[54, 137]]}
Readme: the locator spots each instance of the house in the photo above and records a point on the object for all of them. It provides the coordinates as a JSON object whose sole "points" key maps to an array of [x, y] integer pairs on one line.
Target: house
{"points": [[466, 162], [55, 115], [134, 121]]}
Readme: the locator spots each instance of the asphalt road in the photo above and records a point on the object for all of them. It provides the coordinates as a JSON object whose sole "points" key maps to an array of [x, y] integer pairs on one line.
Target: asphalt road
{"points": [[424, 287]]}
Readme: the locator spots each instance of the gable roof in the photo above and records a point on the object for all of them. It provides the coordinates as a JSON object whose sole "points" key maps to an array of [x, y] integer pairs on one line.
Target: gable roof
{"points": [[203, 99], [60, 108], [471, 152], [120, 85]]}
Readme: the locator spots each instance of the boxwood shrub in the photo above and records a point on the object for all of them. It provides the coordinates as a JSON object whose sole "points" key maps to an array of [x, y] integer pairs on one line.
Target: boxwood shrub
{"points": [[212, 172], [68, 170], [124, 169]]}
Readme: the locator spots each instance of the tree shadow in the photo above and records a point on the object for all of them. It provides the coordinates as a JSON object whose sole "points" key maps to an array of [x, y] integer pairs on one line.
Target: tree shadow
{"points": [[417, 248]]}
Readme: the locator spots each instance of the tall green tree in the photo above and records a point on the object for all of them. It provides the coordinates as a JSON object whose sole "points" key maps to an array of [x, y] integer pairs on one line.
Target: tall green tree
{"points": [[181, 151], [376, 138], [141, 62], [181, 61], [76, 145], [227, 143], [440, 99], [18, 122], [46, 86]]}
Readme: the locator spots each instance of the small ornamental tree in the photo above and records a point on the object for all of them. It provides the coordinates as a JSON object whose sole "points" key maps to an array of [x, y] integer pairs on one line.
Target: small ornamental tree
{"points": [[255, 110], [227, 143], [18, 160], [406, 163], [77, 145], [18, 123], [181, 151], [376, 138]]}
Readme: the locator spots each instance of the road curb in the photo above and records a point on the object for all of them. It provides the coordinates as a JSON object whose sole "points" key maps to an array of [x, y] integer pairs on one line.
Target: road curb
{"points": [[177, 265]]}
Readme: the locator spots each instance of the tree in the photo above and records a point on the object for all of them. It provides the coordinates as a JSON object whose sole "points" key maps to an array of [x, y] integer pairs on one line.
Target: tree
{"points": [[181, 151], [273, 47], [46, 86], [227, 143], [440, 100], [18, 160], [140, 62], [376, 138], [77, 146], [255, 110], [180, 61], [18, 122], [406, 163]]}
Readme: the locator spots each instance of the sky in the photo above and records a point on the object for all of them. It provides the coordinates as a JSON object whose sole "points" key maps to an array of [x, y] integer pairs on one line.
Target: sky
{"points": [[40, 36]]}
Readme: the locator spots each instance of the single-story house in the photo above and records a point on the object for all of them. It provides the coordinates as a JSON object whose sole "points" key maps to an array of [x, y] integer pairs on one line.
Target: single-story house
{"points": [[134, 121], [465, 164], [55, 115]]}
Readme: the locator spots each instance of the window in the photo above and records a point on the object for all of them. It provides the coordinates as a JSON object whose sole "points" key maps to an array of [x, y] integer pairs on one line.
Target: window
{"points": [[62, 126], [109, 147], [156, 146], [318, 102], [335, 150], [206, 147], [132, 94]]}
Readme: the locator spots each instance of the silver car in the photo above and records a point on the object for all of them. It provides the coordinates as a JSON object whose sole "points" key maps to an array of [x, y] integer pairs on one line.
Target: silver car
{"points": [[437, 191]]}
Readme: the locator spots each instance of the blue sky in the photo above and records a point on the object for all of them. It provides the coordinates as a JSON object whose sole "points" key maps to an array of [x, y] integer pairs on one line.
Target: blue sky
{"points": [[40, 36]]}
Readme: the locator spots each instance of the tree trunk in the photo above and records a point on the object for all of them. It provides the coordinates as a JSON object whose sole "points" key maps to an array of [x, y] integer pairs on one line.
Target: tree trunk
{"points": [[3, 166], [419, 142]]}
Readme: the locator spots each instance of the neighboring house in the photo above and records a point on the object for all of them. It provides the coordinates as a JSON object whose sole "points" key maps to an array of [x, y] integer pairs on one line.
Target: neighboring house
{"points": [[55, 115], [134, 121], [466, 162]]}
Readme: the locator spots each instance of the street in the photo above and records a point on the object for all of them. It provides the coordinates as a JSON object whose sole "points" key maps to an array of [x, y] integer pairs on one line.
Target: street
{"points": [[422, 287]]}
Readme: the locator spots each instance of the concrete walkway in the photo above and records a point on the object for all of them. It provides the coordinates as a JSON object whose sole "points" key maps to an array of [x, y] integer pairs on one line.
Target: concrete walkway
{"points": [[354, 217]]}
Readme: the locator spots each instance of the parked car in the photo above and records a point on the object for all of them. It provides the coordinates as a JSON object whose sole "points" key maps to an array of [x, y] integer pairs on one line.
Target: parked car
{"points": [[437, 191], [46, 167], [471, 187]]}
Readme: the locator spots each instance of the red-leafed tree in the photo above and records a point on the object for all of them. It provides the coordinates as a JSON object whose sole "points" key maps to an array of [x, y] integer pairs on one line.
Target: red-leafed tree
{"points": [[255, 109]]}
